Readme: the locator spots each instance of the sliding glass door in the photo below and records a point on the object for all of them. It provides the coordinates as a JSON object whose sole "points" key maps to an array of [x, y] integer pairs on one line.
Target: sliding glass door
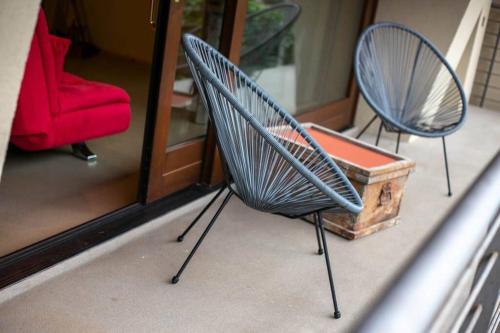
{"points": [[300, 51], [183, 148], [302, 55]]}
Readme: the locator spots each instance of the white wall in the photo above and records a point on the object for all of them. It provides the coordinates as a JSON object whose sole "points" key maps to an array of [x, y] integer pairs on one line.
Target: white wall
{"points": [[451, 25], [17, 23], [463, 53], [492, 95]]}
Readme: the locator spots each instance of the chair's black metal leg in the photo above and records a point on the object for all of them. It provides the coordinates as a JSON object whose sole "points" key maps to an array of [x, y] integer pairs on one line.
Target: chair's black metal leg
{"points": [[336, 314], [397, 142], [366, 127], [379, 132], [181, 237], [176, 277], [446, 166], [316, 226], [82, 151]]}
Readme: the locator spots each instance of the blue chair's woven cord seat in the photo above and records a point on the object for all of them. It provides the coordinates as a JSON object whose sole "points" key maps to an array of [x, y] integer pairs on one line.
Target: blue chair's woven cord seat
{"points": [[275, 165], [408, 82]]}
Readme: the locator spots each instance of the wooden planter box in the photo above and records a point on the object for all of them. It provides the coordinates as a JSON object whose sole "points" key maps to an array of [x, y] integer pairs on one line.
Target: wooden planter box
{"points": [[378, 176]]}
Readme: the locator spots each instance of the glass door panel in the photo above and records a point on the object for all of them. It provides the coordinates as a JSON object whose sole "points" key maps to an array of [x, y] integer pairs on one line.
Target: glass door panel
{"points": [[301, 52], [181, 132], [188, 119]]}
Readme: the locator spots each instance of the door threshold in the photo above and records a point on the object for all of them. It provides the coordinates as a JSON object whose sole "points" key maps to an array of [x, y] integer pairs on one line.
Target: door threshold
{"points": [[18, 276]]}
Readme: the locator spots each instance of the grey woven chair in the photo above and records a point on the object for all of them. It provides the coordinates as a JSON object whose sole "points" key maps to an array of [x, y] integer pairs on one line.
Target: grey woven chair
{"points": [[269, 161], [409, 84]]}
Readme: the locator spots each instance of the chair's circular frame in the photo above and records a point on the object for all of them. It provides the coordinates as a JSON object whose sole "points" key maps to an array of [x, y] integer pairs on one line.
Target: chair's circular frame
{"points": [[208, 74], [379, 111]]}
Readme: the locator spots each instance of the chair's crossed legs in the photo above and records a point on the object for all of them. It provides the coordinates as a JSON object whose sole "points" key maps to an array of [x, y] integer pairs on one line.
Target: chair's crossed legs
{"points": [[176, 277], [320, 236], [397, 147]]}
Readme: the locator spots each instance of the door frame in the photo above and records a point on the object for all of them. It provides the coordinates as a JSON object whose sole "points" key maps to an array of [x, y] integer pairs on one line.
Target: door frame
{"points": [[174, 168], [197, 161]]}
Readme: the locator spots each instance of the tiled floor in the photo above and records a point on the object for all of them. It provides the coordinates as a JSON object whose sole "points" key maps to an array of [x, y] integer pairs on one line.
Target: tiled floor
{"points": [[255, 272]]}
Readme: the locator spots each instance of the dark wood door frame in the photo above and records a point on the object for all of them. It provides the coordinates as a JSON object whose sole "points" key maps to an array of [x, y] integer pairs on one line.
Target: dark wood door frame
{"points": [[230, 45], [162, 118], [197, 161], [193, 161]]}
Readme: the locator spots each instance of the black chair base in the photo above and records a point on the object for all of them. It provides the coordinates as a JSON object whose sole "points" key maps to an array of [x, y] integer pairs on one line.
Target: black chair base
{"points": [[446, 166], [82, 151], [397, 148], [320, 236], [176, 277], [319, 224], [181, 236], [316, 226]]}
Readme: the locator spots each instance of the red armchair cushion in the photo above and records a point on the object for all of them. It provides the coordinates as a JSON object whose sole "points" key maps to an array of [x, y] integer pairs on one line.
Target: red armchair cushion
{"points": [[56, 108], [76, 94], [95, 122]]}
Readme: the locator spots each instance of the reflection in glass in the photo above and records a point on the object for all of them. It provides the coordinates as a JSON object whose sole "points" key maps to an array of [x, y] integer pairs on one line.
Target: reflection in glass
{"points": [[301, 51], [46, 192], [188, 119]]}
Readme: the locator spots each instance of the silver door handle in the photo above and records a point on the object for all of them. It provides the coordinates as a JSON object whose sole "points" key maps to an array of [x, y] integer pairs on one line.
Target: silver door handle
{"points": [[152, 13]]}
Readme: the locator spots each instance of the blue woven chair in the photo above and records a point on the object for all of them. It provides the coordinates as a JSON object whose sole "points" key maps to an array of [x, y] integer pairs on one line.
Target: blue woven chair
{"points": [[269, 161], [409, 84]]}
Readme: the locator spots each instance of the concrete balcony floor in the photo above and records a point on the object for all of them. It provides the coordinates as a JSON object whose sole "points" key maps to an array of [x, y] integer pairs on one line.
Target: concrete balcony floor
{"points": [[255, 272]]}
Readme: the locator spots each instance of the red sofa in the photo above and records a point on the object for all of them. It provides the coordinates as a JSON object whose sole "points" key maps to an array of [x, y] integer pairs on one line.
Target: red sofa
{"points": [[57, 108]]}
